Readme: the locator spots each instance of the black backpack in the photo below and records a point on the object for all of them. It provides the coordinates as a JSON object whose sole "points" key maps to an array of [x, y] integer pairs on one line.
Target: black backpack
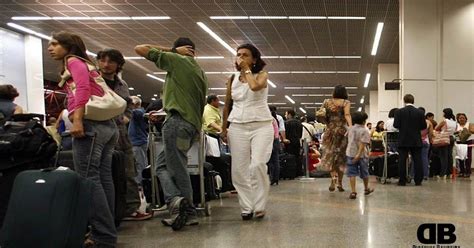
{"points": [[24, 140]]}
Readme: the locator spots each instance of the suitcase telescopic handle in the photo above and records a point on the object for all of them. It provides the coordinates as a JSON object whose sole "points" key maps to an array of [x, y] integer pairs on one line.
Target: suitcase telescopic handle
{"points": [[68, 134]]}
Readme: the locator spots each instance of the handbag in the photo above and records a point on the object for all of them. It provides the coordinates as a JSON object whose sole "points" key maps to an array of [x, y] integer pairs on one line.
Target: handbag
{"points": [[440, 139], [464, 135], [98, 108], [212, 147], [321, 113]]}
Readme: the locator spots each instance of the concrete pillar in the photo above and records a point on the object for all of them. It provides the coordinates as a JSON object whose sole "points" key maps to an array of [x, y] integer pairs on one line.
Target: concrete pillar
{"points": [[437, 54]]}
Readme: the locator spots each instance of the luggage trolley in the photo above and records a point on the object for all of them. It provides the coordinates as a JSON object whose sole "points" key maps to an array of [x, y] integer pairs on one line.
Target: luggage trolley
{"points": [[155, 143], [390, 139], [195, 164], [196, 167]]}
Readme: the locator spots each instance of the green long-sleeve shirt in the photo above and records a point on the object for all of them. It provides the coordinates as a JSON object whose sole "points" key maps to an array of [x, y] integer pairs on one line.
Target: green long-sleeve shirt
{"points": [[185, 87]]}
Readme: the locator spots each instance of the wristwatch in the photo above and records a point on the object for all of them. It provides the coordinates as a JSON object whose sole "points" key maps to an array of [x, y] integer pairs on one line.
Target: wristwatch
{"points": [[248, 72], [173, 50]]}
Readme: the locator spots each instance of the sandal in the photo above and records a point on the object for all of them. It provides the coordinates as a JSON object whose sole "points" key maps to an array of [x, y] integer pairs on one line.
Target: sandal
{"points": [[368, 191], [89, 243], [340, 188], [353, 195], [332, 187], [260, 214]]}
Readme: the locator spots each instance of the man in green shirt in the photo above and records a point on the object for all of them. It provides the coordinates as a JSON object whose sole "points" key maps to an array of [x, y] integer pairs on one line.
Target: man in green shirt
{"points": [[212, 120], [185, 90]]}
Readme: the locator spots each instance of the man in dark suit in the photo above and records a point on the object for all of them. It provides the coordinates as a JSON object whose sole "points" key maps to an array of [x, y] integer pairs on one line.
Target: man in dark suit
{"points": [[409, 121]]}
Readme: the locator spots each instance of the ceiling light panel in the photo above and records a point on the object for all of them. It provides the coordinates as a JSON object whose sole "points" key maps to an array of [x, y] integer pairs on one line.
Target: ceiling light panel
{"points": [[378, 35], [289, 99], [155, 77], [367, 79], [216, 37], [81, 18]]}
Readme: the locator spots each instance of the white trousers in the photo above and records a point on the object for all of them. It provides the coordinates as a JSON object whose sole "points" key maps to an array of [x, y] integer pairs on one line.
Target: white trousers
{"points": [[251, 147]]}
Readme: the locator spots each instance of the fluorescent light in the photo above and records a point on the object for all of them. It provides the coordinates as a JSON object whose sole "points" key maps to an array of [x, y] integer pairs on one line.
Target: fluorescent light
{"points": [[134, 58], [307, 103], [327, 88], [292, 57], [153, 99], [352, 94], [307, 17], [91, 53], [378, 34], [151, 17], [347, 57], [229, 17], [308, 107], [346, 18], [213, 72], [217, 88], [293, 88], [155, 95], [279, 72], [139, 95], [277, 103], [228, 72], [27, 30], [311, 88], [160, 73], [298, 95], [30, 18], [367, 79], [209, 57], [270, 57], [268, 17], [324, 72], [216, 37], [351, 88], [71, 18], [155, 77], [302, 110], [221, 102], [359, 109], [271, 83], [319, 57], [362, 100], [289, 99], [302, 72], [318, 95], [131, 88], [112, 18]]}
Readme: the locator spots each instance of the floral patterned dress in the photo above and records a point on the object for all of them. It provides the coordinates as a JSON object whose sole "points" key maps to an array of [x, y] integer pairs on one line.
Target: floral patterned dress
{"points": [[335, 140]]}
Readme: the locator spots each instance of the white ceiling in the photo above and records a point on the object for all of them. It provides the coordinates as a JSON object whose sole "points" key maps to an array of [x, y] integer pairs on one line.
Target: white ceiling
{"points": [[285, 37]]}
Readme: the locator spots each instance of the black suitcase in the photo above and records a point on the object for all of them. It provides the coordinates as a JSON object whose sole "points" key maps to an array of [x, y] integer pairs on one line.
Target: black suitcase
{"points": [[223, 166], [47, 209], [376, 166], [120, 184], [288, 168]]}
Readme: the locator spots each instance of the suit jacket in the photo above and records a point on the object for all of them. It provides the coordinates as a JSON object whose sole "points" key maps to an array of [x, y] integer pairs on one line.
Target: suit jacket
{"points": [[409, 121]]}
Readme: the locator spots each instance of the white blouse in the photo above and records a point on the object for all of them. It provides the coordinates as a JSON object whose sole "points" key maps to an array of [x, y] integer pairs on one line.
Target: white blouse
{"points": [[249, 106]]}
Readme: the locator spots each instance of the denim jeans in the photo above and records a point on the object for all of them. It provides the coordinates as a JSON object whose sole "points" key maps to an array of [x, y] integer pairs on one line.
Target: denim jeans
{"points": [[141, 158], [424, 159], [274, 163], [172, 171], [100, 173]]}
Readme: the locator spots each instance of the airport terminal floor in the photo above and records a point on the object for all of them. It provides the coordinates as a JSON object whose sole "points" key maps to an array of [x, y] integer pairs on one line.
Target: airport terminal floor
{"points": [[306, 214]]}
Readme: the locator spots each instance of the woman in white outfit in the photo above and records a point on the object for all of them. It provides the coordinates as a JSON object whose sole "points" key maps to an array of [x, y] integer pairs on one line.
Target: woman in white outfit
{"points": [[250, 133]]}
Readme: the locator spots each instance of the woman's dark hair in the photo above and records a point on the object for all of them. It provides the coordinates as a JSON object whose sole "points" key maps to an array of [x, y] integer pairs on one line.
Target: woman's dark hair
{"points": [[8, 92], [340, 92], [359, 118], [72, 43], [429, 115], [448, 114], [377, 128], [259, 64], [459, 115], [274, 114], [114, 55], [391, 114]]}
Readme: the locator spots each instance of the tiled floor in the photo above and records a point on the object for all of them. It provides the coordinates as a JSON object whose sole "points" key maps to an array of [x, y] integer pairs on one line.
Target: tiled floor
{"points": [[306, 214]]}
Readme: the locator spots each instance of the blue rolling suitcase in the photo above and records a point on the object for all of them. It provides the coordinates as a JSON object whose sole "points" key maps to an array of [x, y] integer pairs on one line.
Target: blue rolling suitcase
{"points": [[48, 208]]}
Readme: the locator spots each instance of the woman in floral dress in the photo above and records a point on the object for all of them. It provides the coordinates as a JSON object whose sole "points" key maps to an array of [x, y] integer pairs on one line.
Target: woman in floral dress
{"points": [[338, 119]]}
